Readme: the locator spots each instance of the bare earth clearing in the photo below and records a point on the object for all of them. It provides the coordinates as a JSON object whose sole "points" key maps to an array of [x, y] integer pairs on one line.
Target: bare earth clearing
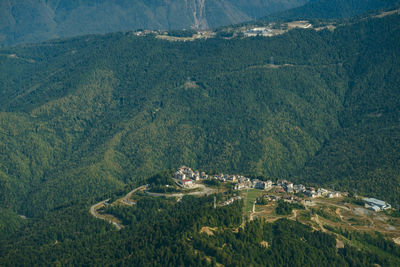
{"points": [[323, 214], [320, 213]]}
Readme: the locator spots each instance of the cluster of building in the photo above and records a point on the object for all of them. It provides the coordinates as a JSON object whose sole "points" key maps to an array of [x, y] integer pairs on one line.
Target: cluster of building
{"points": [[289, 187], [230, 201], [186, 177], [269, 30], [286, 197], [275, 29], [263, 185], [284, 186], [144, 32], [376, 204], [321, 192], [244, 183], [230, 178], [258, 31]]}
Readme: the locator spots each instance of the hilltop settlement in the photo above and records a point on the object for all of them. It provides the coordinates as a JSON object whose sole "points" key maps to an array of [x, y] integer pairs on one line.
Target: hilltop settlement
{"points": [[259, 29], [283, 189]]}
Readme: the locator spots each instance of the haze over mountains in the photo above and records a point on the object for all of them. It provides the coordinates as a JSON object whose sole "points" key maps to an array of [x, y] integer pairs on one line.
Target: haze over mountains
{"points": [[24, 21], [332, 9]]}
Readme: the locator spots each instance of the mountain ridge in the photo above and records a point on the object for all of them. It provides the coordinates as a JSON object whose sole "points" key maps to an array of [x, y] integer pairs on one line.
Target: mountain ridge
{"points": [[34, 20], [332, 9]]}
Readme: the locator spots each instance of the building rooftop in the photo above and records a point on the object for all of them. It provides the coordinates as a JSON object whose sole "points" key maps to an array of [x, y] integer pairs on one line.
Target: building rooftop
{"points": [[375, 201]]}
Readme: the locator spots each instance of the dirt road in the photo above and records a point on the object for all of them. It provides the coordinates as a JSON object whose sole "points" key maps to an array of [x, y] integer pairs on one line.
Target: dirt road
{"points": [[204, 191]]}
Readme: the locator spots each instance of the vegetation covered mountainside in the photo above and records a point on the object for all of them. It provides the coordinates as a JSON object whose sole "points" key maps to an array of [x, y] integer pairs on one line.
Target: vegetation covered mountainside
{"points": [[332, 9], [23, 21], [163, 232], [81, 118]]}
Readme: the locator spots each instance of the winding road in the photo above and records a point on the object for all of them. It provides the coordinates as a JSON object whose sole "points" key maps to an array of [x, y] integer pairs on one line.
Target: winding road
{"points": [[126, 200], [109, 218]]}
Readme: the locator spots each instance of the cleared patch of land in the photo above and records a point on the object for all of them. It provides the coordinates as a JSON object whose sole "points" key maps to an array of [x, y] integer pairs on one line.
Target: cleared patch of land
{"points": [[250, 196], [330, 215], [326, 214], [207, 230]]}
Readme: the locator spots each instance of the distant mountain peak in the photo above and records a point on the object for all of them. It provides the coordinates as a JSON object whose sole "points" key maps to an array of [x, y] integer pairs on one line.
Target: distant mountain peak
{"points": [[36, 20]]}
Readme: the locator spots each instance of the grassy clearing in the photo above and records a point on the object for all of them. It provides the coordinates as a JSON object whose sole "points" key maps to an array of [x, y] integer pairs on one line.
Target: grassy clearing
{"points": [[251, 197]]}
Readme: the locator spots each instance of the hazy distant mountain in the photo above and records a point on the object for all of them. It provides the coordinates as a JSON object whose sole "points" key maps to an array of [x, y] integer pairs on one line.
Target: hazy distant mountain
{"points": [[37, 20], [332, 9]]}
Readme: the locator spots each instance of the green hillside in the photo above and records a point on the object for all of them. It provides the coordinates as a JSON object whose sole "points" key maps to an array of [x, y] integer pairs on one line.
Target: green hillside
{"points": [[80, 118], [332, 9], [363, 156], [91, 118], [162, 232]]}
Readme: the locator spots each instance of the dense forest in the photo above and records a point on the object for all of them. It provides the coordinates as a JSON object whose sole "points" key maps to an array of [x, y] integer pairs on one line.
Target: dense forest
{"points": [[161, 232], [332, 9], [89, 118], [83, 117]]}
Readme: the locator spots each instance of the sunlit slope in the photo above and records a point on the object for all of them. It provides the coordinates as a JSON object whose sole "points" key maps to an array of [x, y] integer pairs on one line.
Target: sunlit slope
{"points": [[82, 117]]}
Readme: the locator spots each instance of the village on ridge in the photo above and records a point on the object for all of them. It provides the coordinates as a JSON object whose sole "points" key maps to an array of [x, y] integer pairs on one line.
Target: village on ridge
{"points": [[187, 178]]}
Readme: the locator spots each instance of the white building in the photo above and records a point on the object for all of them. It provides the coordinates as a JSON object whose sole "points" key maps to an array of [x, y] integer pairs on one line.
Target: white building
{"points": [[259, 31], [333, 194], [376, 204], [322, 191], [264, 185], [179, 175], [299, 188], [187, 183]]}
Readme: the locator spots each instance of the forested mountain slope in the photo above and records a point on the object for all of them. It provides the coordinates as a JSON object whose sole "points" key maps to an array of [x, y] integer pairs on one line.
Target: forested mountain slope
{"points": [[163, 232], [332, 9], [82, 117], [365, 152], [24, 21]]}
